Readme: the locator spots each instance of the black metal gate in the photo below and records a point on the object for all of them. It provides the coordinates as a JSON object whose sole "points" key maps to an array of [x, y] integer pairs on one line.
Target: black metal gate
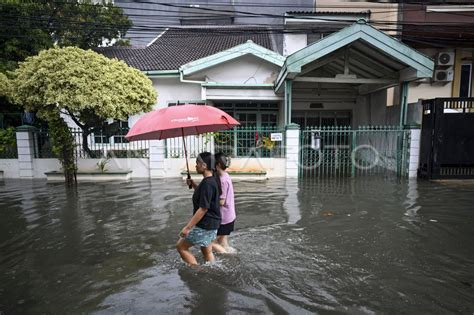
{"points": [[447, 138]]}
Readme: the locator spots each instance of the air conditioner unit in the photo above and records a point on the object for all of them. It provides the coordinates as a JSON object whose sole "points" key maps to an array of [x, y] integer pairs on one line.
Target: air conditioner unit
{"points": [[443, 75], [445, 58]]}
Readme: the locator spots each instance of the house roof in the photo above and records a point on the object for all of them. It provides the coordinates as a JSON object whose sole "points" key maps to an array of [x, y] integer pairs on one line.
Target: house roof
{"points": [[176, 47], [375, 54], [248, 48]]}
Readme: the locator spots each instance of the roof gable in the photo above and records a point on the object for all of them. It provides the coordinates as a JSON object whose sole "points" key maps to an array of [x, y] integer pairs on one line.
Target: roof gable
{"points": [[249, 48], [422, 65]]}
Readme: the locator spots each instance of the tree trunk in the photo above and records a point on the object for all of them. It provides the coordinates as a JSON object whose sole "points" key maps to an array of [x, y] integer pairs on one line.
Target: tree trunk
{"points": [[63, 146], [85, 145]]}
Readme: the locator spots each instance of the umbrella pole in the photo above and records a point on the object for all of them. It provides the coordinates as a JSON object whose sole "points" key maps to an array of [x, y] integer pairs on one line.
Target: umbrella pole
{"points": [[186, 157]]}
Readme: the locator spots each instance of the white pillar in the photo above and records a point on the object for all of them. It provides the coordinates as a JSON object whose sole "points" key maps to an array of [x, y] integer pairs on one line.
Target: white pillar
{"points": [[414, 153], [157, 158], [26, 151], [292, 150]]}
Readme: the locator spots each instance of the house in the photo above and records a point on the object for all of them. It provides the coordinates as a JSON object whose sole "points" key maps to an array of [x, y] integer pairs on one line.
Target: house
{"points": [[330, 87], [339, 80]]}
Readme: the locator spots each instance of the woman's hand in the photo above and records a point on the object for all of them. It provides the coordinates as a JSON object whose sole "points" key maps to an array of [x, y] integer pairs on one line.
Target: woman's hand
{"points": [[184, 232], [191, 183]]}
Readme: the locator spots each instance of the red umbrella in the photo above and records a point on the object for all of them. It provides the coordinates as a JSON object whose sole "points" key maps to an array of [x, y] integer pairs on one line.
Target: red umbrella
{"points": [[180, 121]]}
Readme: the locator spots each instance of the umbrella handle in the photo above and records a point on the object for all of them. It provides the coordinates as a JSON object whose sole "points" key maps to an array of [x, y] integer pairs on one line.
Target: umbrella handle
{"points": [[186, 157], [189, 177]]}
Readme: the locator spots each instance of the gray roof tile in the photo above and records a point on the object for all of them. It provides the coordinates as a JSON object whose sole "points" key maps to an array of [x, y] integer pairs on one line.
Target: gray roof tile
{"points": [[176, 47]]}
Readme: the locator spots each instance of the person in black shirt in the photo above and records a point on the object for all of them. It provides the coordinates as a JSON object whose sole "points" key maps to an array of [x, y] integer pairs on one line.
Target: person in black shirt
{"points": [[202, 228]]}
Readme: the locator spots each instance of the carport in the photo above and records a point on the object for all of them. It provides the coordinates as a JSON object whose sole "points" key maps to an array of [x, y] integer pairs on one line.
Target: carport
{"points": [[346, 70]]}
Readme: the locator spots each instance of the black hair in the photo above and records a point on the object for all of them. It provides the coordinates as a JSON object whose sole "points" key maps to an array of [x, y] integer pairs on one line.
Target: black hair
{"points": [[210, 161], [222, 160]]}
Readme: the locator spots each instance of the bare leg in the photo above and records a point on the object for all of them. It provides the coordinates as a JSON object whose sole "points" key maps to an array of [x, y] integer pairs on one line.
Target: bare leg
{"points": [[218, 248], [183, 249], [207, 253], [223, 240]]}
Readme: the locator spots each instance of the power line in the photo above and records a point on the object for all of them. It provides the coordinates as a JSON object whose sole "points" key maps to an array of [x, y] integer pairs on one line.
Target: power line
{"points": [[440, 27]]}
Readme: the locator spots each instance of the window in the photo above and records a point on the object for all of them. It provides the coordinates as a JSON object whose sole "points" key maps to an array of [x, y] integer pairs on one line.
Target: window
{"points": [[261, 115], [465, 81], [174, 103], [99, 137], [247, 119], [122, 131], [268, 120], [319, 118], [115, 131]]}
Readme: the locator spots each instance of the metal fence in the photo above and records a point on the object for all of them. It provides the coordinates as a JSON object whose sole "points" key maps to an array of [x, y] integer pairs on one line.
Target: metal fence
{"points": [[114, 145], [42, 145], [238, 142], [101, 145], [347, 152]]}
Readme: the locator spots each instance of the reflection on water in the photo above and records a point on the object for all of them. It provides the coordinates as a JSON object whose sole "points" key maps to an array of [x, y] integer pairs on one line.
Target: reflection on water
{"points": [[337, 246]]}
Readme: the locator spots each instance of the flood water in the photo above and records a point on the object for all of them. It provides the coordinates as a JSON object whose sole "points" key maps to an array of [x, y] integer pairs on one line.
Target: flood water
{"points": [[358, 246]]}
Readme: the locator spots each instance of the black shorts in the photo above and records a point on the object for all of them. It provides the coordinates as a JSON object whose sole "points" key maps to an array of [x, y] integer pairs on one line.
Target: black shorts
{"points": [[225, 229]]}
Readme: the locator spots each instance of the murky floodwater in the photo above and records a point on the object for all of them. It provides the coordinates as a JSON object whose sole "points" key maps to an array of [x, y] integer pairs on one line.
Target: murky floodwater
{"points": [[352, 246]]}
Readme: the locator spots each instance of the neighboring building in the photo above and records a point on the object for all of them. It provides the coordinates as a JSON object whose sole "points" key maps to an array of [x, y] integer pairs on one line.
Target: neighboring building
{"points": [[445, 33], [151, 16], [307, 26]]}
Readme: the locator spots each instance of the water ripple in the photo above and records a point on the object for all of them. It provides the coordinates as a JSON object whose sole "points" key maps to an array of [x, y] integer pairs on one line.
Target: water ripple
{"points": [[315, 246]]}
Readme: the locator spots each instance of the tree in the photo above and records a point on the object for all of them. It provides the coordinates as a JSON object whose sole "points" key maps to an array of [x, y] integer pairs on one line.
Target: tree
{"points": [[4, 85], [29, 26], [85, 85]]}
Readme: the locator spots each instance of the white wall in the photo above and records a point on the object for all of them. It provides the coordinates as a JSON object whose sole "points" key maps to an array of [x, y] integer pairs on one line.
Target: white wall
{"points": [[427, 89], [240, 94], [294, 42], [171, 89], [247, 69], [139, 167], [40, 166], [274, 167], [10, 168]]}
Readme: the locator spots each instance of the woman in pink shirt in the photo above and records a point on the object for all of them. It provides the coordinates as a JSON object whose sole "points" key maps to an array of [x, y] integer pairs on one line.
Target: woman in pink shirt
{"points": [[221, 245]]}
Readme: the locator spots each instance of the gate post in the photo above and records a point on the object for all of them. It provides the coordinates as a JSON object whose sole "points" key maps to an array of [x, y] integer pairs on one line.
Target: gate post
{"points": [[414, 151], [157, 158], [292, 150], [26, 150]]}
